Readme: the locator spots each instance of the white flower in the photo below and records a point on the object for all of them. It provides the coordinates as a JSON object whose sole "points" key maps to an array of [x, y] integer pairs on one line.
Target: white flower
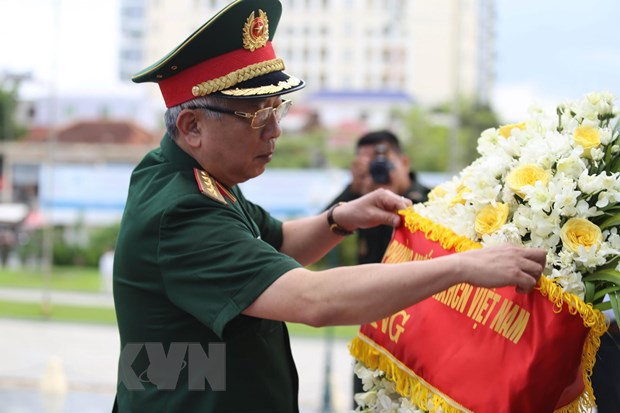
{"points": [[565, 197], [572, 165], [368, 398], [589, 184], [369, 377], [572, 146]]}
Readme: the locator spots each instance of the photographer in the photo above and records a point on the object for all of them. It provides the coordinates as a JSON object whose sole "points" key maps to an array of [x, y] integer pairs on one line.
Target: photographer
{"points": [[379, 163]]}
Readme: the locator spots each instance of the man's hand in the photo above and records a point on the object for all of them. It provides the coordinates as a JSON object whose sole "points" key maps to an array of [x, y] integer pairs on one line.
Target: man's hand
{"points": [[376, 208], [502, 265]]}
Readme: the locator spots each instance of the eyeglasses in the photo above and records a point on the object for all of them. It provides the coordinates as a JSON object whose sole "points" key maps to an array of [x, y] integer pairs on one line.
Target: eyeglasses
{"points": [[259, 118]]}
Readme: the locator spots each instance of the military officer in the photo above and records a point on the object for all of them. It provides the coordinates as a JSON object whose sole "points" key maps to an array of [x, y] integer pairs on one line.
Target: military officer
{"points": [[204, 278]]}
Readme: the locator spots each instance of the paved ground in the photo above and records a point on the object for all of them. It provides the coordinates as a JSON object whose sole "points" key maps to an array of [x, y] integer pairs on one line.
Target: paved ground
{"points": [[86, 357]]}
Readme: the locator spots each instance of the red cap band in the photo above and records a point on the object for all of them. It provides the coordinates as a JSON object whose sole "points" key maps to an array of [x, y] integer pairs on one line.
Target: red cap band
{"points": [[178, 88]]}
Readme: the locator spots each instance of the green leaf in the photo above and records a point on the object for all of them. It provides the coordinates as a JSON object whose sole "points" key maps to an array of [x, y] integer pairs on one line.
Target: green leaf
{"points": [[604, 306], [590, 291], [600, 294], [610, 222], [608, 275], [614, 299]]}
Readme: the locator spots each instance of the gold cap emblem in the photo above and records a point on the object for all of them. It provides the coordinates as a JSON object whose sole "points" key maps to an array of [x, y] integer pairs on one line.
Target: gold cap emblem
{"points": [[256, 31]]}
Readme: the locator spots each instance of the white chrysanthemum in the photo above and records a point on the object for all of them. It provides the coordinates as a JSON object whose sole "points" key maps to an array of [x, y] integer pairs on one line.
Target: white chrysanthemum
{"points": [[407, 407], [386, 402], [370, 378], [599, 103], [545, 149], [597, 154], [569, 280], [613, 238], [538, 196], [607, 197], [589, 258], [573, 165], [488, 142], [366, 399], [565, 196], [507, 234], [605, 135], [590, 184], [584, 210], [545, 231], [523, 219]]}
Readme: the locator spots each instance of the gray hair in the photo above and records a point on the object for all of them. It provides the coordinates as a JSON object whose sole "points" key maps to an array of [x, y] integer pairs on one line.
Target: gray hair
{"points": [[170, 117]]}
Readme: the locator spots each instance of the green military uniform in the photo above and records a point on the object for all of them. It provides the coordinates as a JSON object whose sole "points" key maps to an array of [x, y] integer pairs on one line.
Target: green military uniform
{"points": [[186, 266], [192, 254]]}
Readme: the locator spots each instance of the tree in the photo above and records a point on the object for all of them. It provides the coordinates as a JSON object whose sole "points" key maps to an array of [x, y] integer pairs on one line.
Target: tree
{"points": [[9, 87], [429, 142]]}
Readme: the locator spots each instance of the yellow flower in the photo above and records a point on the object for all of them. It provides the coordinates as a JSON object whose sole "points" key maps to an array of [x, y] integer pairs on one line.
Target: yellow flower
{"points": [[527, 174], [458, 199], [580, 232], [506, 130], [588, 137], [491, 218]]}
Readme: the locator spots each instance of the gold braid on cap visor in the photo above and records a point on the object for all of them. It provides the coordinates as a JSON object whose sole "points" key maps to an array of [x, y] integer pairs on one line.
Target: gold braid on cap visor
{"points": [[238, 76]]}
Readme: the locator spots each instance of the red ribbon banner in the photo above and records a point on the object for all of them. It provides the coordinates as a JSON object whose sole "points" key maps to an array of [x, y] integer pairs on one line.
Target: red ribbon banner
{"points": [[478, 349]]}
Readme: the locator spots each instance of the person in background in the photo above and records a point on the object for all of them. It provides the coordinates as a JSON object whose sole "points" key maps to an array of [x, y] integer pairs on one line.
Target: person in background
{"points": [[199, 269], [379, 163]]}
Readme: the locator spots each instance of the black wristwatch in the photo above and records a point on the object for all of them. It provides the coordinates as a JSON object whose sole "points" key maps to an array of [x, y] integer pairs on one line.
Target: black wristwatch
{"points": [[333, 226]]}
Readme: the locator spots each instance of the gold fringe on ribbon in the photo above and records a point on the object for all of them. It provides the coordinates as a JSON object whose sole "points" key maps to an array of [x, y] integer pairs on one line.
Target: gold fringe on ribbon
{"points": [[435, 232], [592, 319], [408, 384]]}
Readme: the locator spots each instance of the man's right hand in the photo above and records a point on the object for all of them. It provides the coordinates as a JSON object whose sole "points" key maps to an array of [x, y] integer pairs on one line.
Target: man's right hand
{"points": [[503, 265]]}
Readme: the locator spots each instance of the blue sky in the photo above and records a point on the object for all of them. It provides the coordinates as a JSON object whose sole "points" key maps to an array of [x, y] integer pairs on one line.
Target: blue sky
{"points": [[552, 50], [547, 50]]}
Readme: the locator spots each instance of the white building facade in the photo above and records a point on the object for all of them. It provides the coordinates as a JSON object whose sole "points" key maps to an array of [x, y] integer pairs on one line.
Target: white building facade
{"points": [[428, 51]]}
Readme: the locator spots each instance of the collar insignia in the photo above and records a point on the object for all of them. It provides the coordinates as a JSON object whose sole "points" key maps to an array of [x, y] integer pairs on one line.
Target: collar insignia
{"points": [[256, 31], [208, 186]]}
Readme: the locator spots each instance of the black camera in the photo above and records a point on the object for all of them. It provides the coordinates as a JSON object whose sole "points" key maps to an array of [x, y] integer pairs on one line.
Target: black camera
{"points": [[380, 166]]}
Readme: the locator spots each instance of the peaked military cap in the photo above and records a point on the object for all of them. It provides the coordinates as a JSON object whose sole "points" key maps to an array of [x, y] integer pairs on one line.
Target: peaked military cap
{"points": [[230, 55]]}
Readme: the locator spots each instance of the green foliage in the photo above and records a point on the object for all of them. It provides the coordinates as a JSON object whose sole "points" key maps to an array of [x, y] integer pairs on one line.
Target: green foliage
{"points": [[62, 278], [427, 145], [9, 128], [71, 252], [57, 312], [431, 147], [300, 150]]}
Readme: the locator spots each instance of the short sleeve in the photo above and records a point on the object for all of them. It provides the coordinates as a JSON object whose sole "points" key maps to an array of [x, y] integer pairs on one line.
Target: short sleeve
{"points": [[213, 262]]}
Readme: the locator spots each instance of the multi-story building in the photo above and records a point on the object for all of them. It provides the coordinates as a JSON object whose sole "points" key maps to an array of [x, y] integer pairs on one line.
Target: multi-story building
{"points": [[416, 51], [132, 28]]}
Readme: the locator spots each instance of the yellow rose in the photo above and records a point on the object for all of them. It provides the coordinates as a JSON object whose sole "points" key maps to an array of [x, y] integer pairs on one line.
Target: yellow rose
{"points": [[588, 137], [527, 174], [580, 232], [458, 199], [490, 218], [506, 130]]}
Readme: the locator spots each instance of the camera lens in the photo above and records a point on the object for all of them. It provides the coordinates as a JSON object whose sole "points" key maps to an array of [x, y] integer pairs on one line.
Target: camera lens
{"points": [[380, 166]]}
